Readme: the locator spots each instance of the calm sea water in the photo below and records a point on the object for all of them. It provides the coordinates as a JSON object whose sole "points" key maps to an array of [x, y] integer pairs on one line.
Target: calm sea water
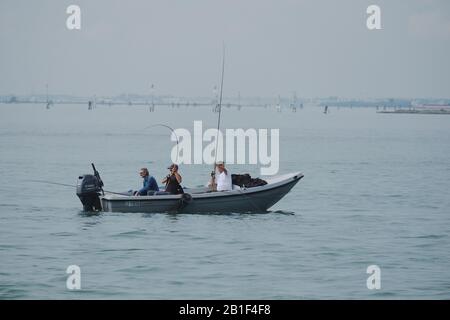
{"points": [[376, 191]]}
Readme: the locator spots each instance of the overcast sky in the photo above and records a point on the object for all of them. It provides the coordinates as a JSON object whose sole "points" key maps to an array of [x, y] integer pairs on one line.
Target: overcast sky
{"points": [[316, 48]]}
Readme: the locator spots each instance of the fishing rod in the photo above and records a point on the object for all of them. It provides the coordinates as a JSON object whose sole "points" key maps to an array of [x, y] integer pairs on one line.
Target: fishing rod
{"points": [[97, 175], [73, 186], [168, 127], [55, 183], [220, 110]]}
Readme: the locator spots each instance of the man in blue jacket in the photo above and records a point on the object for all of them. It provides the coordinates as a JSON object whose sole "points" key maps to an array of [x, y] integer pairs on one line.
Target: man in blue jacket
{"points": [[149, 183]]}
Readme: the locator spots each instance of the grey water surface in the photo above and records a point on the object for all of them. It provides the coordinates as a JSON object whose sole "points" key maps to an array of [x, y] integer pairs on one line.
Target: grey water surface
{"points": [[376, 191]]}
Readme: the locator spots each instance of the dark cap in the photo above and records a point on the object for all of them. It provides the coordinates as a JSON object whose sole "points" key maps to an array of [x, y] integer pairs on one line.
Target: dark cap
{"points": [[173, 165]]}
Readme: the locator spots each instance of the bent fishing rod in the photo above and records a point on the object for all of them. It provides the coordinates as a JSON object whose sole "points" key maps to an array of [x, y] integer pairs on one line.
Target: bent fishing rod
{"points": [[98, 175], [171, 129]]}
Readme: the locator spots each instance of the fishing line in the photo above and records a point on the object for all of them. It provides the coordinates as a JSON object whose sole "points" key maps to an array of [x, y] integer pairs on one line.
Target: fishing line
{"points": [[73, 186], [55, 183]]}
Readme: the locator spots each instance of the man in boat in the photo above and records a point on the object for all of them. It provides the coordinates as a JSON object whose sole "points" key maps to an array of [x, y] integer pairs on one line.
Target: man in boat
{"points": [[221, 178], [149, 183], [173, 180]]}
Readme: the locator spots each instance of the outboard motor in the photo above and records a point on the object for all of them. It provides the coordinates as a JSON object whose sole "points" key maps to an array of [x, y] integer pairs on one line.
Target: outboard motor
{"points": [[89, 189]]}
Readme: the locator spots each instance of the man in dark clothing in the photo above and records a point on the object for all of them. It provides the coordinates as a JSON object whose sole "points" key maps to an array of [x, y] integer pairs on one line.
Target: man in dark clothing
{"points": [[149, 183]]}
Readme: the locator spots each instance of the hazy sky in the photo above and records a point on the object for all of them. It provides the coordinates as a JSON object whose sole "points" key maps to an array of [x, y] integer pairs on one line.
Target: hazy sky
{"points": [[316, 48]]}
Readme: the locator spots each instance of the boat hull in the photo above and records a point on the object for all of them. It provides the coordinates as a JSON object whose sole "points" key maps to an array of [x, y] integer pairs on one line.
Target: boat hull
{"points": [[252, 200]]}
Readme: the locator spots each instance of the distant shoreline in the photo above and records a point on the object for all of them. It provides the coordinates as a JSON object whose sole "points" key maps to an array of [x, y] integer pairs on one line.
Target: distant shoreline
{"points": [[417, 112]]}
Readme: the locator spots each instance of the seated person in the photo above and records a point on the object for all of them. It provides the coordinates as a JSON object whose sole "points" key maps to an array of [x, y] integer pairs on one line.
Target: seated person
{"points": [[173, 180], [149, 183], [221, 178]]}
